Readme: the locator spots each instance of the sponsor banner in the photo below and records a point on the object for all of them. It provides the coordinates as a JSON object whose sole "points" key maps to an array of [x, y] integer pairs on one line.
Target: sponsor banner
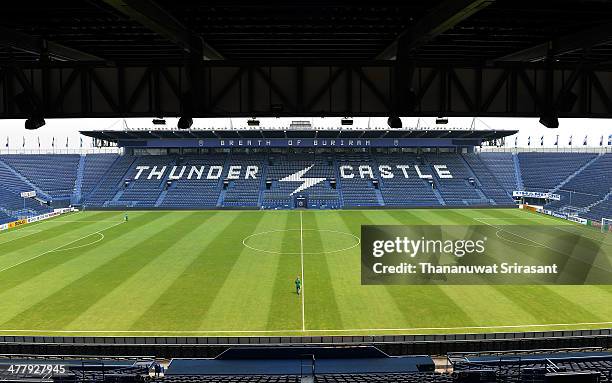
{"points": [[532, 194], [530, 207], [19, 222], [579, 220], [480, 255], [4, 226], [42, 217], [37, 218], [28, 194], [559, 215], [300, 142]]}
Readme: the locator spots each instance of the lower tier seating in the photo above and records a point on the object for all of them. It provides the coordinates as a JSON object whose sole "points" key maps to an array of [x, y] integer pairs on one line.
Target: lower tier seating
{"points": [[324, 181]]}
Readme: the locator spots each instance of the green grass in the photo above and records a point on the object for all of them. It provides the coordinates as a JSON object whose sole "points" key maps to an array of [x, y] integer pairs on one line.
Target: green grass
{"points": [[189, 273]]}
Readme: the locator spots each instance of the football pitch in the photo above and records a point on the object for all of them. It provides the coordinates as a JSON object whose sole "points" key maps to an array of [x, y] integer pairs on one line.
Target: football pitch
{"points": [[221, 273]]}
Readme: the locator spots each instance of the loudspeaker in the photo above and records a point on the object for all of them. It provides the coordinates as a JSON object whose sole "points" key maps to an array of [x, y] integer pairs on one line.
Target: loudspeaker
{"points": [[394, 122]]}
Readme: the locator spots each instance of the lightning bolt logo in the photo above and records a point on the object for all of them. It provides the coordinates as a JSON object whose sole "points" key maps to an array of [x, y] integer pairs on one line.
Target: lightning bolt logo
{"points": [[299, 177]]}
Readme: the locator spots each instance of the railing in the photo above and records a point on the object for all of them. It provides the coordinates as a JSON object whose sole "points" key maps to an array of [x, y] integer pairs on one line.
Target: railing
{"points": [[574, 149], [441, 344], [111, 150]]}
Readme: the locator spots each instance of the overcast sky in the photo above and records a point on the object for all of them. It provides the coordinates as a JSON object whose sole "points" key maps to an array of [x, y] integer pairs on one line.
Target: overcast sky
{"points": [[63, 129]]}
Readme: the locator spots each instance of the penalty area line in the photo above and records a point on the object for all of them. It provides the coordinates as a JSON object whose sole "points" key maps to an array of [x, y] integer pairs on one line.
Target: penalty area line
{"points": [[410, 329], [59, 248]]}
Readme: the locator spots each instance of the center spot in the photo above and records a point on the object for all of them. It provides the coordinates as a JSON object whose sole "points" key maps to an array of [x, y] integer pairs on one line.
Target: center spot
{"points": [[290, 241]]}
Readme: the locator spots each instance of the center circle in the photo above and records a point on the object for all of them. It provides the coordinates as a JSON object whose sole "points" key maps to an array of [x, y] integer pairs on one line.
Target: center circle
{"points": [[312, 241]]}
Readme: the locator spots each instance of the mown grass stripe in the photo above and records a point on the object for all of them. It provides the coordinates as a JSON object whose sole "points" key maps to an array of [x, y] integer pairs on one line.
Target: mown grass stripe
{"points": [[185, 302], [36, 267], [245, 296], [92, 286], [321, 290], [416, 302], [48, 238], [285, 312], [148, 283], [352, 298], [547, 305], [59, 270], [206, 281]]}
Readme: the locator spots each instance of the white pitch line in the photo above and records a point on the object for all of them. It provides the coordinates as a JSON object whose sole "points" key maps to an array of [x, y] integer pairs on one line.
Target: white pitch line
{"points": [[59, 247], [543, 325], [302, 263], [520, 236], [14, 239], [540, 244], [600, 240]]}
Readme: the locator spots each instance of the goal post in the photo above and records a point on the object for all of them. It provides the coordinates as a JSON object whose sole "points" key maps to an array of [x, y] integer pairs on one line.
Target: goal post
{"points": [[606, 225]]}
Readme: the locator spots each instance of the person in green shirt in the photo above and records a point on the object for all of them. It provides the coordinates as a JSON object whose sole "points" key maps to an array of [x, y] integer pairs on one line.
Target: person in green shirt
{"points": [[298, 285]]}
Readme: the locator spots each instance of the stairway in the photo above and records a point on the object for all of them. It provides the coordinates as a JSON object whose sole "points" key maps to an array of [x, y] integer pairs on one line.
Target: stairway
{"points": [[118, 195], [78, 183], [262, 184], [571, 176], [517, 172], [38, 190], [338, 184], [222, 191], [438, 196], [478, 185], [605, 198], [379, 197], [161, 197]]}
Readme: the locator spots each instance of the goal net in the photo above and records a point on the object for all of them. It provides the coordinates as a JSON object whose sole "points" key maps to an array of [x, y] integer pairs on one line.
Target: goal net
{"points": [[606, 225]]}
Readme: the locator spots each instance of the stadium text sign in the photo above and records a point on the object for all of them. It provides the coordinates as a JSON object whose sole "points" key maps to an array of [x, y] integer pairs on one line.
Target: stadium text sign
{"points": [[300, 142], [234, 172], [481, 254], [533, 194]]}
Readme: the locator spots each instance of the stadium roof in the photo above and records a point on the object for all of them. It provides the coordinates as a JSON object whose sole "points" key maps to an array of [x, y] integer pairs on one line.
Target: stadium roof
{"points": [[438, 31], [115, 135]]}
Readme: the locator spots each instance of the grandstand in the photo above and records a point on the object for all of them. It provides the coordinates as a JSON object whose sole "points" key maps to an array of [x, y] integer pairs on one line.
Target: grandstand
{"points": [[346, 180]]}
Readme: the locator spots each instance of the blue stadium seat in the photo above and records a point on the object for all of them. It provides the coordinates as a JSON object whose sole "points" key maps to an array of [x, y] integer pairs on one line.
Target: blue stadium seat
{"points": [[390, 179], [55, 174]]}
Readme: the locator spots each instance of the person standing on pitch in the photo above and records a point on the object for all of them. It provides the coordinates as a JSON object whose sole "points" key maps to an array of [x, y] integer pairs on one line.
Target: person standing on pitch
{"points": [[298, 285], [125, 217]]}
